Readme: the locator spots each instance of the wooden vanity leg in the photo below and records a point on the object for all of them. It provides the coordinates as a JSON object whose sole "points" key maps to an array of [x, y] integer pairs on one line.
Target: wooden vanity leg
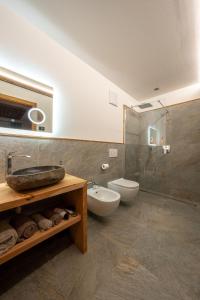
{"points": [[79, 230]]}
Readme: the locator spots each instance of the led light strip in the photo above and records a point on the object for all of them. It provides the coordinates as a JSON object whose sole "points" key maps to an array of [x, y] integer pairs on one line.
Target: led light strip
{"points": [[25, 82]]}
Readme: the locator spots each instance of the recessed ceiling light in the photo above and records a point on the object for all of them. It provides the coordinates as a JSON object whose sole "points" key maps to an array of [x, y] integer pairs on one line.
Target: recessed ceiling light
{"points": [[156, 89]]}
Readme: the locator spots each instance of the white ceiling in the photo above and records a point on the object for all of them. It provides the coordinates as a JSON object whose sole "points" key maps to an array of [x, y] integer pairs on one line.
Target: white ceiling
{"points": [[138, 44]]}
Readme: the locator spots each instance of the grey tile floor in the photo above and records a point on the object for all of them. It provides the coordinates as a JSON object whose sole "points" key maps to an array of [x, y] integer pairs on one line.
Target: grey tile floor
{"points": [[148, 251]]}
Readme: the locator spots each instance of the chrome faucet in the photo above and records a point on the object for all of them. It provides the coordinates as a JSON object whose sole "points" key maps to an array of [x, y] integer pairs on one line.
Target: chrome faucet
{"points": [[10, 156], [92, 184]]}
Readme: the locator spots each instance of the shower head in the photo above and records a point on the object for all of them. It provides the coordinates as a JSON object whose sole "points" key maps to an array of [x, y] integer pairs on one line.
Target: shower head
{"points": [[145, 105], [149, 104]]}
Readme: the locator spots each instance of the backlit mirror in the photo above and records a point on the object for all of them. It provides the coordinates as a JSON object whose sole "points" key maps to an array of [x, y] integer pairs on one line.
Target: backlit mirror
{"points": [[152, 136], [24, 103]]}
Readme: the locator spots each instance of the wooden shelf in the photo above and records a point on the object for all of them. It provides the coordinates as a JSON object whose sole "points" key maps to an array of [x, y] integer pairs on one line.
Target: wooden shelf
{"points": [[37, 238], [72, 191], [11, 199]]}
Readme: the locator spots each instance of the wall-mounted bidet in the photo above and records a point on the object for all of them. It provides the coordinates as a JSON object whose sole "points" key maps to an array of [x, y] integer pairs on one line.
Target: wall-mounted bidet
{"points": [[128, 189], [102, 201]]}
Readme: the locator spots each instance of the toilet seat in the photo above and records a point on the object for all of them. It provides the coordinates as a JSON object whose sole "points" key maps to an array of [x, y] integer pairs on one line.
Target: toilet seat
{"points": [[129, 184]]}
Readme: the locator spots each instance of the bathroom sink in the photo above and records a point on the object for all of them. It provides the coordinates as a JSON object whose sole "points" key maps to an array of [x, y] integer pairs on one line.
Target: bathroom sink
{"points": [[102, 201], [35, 177]]}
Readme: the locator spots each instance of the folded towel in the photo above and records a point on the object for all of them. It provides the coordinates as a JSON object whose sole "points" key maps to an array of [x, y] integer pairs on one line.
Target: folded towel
{"points": [[8, 236], [24, 226], [54, 217], [62, 212], [42, 222]]}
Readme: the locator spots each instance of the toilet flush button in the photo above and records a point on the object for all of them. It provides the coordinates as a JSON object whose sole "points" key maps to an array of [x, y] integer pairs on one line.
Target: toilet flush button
{"points": [[113, 152]]}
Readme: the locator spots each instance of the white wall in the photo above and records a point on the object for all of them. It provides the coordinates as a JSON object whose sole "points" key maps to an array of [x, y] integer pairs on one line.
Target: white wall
{"points": [[80, 105]]}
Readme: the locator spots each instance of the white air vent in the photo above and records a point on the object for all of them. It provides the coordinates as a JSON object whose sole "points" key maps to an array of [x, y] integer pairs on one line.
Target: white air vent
{"points": [[113, 98]]}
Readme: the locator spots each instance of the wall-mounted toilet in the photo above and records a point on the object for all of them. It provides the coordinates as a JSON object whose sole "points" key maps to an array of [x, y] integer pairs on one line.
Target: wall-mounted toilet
{"points": [[128, 189]]}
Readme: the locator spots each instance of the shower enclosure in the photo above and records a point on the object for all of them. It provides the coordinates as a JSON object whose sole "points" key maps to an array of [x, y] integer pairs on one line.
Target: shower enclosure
{"points": [[175, 173]]}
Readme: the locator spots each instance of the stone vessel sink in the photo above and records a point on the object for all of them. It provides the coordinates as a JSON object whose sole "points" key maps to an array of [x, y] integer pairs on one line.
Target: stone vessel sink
{"points": [[35, 177]]}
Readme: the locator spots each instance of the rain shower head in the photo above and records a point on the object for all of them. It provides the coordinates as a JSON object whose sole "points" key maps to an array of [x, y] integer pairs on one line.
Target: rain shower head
{"points": [[145, 105], [150, 104]]}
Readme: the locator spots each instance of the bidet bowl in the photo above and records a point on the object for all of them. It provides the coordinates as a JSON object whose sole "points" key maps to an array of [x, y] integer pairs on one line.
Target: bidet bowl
{"points": [[102, 201], [35, 177]]}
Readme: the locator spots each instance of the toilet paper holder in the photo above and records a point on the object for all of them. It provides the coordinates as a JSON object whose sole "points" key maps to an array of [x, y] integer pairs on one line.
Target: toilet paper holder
{"points": [[105, 167]]}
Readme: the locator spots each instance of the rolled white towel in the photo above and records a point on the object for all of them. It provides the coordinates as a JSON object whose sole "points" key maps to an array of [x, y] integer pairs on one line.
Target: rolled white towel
{"points": [[8, 236], [61, 212], [42, 222]]}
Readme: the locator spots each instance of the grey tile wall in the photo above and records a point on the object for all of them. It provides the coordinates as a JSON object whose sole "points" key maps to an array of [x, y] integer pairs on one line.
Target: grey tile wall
{"points": [[80, 158]]}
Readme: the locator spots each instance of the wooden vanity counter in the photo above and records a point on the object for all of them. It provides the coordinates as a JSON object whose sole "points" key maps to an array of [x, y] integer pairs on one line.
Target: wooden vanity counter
{"points": [[72, 190]]}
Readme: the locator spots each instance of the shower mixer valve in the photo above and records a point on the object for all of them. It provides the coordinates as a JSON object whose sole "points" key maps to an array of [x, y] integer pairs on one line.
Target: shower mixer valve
{"points": [[166, 149]]}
